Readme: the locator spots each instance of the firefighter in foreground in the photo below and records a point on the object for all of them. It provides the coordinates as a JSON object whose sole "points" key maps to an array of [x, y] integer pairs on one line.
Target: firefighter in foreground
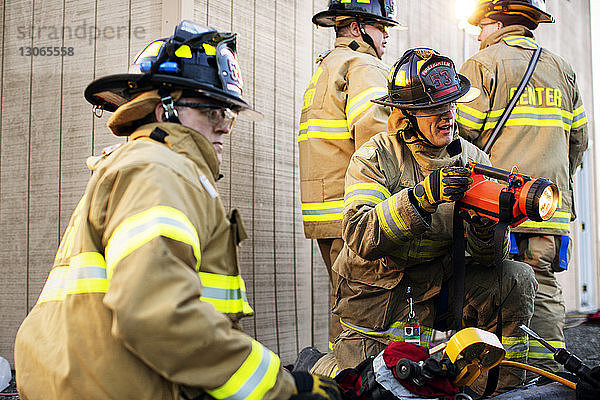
{"points": [[145, 296], [395, 269], [338, 116], [548, 124]]}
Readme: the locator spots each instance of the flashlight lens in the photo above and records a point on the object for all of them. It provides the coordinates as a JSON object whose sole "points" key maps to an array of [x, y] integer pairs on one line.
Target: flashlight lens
{"points": [[545, 203]]}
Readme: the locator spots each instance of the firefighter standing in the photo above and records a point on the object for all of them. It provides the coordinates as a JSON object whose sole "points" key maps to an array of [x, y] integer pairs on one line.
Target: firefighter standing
{"points": [[338, 116], [545, 135], [145, 296], [397, 228]]}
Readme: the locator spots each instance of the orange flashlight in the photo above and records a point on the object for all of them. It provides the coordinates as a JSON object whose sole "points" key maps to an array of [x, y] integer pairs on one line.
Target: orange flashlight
{"points": [[519, 199]]}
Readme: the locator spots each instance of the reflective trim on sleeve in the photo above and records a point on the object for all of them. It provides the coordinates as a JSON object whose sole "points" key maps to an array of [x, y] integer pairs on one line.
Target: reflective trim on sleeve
{"points": [[560, 220], [516, 347], [86, 273], [394, 333], [390, 220], [371, 193], [418, 250], [324, 129], [470, 117], [362, 101], [253, 379], [226, 293], [539, 352], [326, 211], [579, 118], [141, 228]]}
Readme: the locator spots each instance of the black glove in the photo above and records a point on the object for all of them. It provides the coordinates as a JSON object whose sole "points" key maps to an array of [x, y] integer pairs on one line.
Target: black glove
{"points": [[315, 387], [445, 184], [483, 227], [587, 391]]}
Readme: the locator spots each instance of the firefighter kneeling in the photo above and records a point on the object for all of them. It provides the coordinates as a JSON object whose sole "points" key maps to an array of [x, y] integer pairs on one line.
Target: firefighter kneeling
{"points": [[396, 276]]}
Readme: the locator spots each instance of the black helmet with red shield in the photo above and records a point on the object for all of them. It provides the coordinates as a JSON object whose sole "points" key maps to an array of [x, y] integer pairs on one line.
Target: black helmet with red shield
{"points": [[198, 60]]}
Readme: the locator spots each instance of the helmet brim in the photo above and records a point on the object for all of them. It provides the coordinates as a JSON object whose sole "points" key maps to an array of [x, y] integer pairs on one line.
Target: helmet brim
{"points": [[466, 94], [327, 18], [112, 91], [540, 16]]}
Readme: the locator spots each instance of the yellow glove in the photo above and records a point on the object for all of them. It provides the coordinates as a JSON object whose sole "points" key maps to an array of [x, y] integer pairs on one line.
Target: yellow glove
{"points": [[445, 184], [315, 387]]}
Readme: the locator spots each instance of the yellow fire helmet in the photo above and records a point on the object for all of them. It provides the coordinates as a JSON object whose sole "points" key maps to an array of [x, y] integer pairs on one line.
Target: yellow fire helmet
{"points": [[532, 12], [473, 351]]}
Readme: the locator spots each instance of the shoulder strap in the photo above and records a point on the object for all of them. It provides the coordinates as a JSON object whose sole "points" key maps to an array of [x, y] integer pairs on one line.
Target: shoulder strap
{"points": [[513, 101]]}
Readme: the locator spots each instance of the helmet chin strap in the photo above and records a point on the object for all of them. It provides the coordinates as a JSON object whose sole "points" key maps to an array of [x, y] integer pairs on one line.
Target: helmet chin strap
{"points": [[168, 105], [413, 121], [366, 37]]}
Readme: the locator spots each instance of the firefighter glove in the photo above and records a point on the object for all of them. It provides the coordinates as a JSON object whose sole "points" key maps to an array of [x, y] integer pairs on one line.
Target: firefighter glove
{"points": [[483, 227], [314, 387], [445, 184]]}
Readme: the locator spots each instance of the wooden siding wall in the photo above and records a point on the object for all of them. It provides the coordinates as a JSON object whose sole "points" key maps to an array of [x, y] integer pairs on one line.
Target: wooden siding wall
{"points": [[47, 131]]}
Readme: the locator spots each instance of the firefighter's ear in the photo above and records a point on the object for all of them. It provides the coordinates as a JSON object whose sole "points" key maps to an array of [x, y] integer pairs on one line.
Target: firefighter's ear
{"points": [[159, 113]]}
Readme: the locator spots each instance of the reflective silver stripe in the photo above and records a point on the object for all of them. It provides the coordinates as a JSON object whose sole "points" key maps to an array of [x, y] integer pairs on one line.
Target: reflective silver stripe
{"points": [[515, 347], [391, 221], [394, 333]]}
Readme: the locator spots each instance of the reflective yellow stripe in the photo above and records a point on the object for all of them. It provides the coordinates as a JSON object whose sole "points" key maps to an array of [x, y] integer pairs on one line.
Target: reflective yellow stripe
{"points": [[253, 379], [560, 220], [86, 273], [579, 118], [141, 228], [516, 347], [324, 129], [184, 51], [226, 293], [390, 220], [532, 116], [522, 40], [394, 333], [539, 352], [372, 193], [326, 211], [362, 101]]}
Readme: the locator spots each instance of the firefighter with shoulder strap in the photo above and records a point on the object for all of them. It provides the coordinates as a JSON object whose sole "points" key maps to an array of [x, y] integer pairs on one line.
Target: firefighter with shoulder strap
{"points": [[547, 123], [338, 116], [396, 280], [145, 297]]}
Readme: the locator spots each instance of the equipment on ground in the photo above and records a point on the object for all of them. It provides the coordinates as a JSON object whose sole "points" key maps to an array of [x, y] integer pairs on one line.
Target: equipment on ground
{"points": [[473, 351], [521, 198], [571, 362]]}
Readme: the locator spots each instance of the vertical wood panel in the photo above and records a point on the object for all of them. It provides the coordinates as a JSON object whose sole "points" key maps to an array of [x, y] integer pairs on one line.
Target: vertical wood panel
{"points": [[302, 266], [77, 120], [264, 263], [111, 52], [283, 198], [14, 171], [242, 162], [46, 93]]}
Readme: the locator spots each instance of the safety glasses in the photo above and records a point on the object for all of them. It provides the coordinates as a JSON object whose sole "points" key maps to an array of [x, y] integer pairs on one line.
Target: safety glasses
{"points": [[435, 111], [379, 26], [216, 115]]}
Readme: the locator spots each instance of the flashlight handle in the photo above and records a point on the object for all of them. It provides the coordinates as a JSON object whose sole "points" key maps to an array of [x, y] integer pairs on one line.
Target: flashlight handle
{"points": [[491, 172]]}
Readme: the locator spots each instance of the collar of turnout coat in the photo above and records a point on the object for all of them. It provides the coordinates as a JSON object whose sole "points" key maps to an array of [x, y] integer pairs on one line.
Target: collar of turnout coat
{"points": [[511, 30], [355, 44]]}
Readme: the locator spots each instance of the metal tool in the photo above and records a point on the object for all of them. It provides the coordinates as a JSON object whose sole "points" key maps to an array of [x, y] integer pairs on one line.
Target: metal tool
{"points": [[571, 362]]}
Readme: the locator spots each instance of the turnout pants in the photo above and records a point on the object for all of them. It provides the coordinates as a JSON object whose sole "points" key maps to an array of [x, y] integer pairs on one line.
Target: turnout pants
{"points": [[330, 248], [542, 253], [482, 299]]}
